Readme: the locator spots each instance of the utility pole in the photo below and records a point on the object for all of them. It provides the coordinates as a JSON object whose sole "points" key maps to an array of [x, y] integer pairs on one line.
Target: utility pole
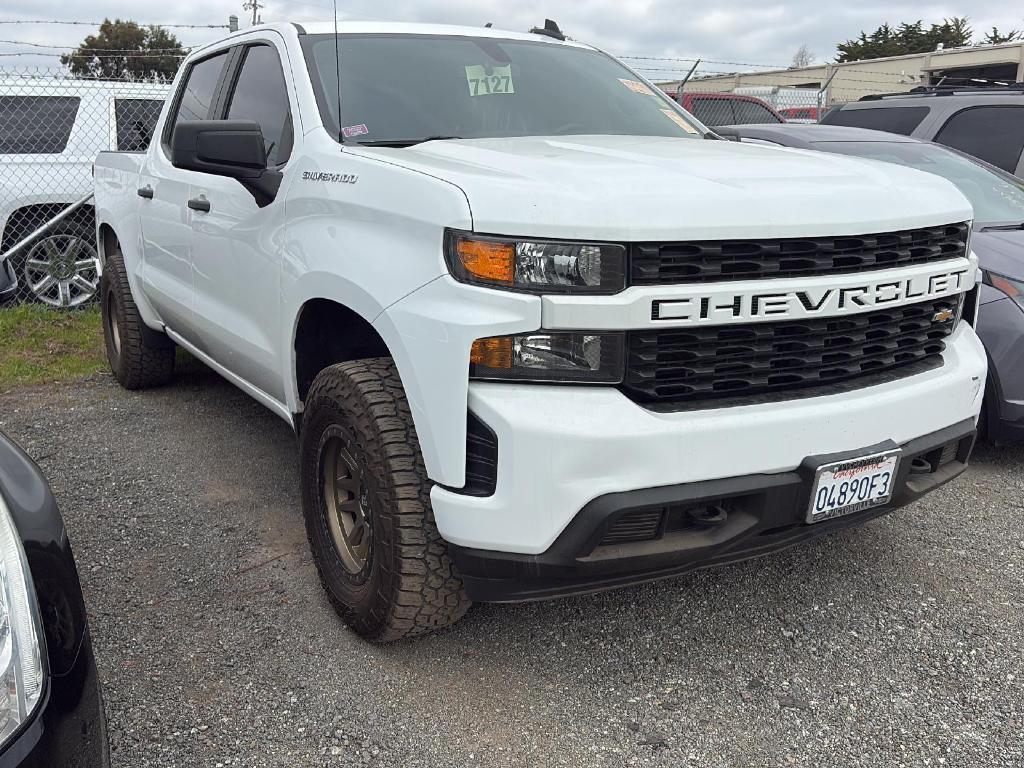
{"points": [[254, 6]]}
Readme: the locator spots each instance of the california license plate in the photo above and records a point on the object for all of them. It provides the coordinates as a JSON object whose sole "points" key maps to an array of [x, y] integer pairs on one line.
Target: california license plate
{"points": [[853, 485]]}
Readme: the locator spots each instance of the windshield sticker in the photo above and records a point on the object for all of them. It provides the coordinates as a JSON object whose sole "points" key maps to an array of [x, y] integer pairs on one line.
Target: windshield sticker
{"points": [[483, 84], [636, 86], [676, 118], [354, 130]]}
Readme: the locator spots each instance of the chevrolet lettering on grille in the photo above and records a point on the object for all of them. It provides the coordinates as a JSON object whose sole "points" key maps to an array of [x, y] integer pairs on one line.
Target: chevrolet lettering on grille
{"points": [[714, 307]]}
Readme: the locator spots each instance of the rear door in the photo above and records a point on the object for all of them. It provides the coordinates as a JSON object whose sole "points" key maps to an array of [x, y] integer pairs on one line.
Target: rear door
{"points": [[993, 133], [236, 244], [164, 216]]}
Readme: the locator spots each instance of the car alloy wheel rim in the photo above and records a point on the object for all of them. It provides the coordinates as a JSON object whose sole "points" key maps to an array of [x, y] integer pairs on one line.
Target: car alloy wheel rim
{"points": [[62, 271], [347, 502]]}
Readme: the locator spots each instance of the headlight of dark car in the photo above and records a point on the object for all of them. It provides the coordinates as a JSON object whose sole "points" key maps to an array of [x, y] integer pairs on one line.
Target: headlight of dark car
{"points": [[1012, 288], [22, 675]]}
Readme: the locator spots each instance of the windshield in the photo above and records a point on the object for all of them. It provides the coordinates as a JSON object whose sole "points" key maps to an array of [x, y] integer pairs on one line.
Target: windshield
{"points": [[401, 89], [995, 196]]}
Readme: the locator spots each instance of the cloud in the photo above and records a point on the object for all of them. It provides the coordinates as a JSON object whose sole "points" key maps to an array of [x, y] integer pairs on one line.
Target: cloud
{"points": [[726, 31]]}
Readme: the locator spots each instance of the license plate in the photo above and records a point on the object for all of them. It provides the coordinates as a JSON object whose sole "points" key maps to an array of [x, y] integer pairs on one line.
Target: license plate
{"points": [[853, 485]]}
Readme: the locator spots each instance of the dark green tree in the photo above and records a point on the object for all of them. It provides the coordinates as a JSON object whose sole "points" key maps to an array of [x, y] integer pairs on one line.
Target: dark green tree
{"points": [[123, 50], [906, 38], [995, 37]]}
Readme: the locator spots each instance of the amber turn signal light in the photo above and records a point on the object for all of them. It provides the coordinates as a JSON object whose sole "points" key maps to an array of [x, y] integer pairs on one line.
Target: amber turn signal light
{"points": [[495, 352], [486, 260]]}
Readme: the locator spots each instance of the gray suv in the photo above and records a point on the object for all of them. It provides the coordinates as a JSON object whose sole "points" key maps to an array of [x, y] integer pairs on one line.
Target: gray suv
{"points": [[987, 123]]}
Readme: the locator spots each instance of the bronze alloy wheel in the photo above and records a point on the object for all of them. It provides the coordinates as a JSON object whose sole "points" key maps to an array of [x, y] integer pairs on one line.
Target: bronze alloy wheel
{"points": [[346, 501]]}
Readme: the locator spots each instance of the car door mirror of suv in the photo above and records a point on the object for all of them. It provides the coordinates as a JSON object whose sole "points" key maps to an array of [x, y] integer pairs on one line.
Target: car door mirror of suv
{"points": [[232, 148]]}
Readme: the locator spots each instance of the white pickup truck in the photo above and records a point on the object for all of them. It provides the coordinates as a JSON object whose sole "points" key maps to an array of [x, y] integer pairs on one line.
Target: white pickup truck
{"points": [[537, 330]]}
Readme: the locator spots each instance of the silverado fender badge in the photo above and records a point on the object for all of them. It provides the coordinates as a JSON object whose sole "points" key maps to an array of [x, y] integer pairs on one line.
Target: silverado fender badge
{"points": [[336, 178]]}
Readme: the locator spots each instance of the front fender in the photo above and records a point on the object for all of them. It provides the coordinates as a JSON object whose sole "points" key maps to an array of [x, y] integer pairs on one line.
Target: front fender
{"points": [[430, 334]]}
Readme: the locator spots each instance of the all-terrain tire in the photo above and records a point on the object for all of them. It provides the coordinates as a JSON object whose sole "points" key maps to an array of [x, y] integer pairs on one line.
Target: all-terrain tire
{"points": [[407, 585], [139, 357]]}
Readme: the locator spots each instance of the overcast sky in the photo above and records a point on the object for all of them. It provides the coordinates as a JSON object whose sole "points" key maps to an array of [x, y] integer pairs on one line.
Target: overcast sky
{"points": [[722, 31]]}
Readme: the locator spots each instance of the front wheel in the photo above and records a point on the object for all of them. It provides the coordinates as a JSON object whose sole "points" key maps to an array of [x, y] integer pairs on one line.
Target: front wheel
{"points": [[366, 501]]}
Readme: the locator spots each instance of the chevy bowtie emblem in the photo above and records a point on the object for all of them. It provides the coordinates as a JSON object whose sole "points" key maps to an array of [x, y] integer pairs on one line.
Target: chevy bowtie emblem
{"points": [[942, 316]]}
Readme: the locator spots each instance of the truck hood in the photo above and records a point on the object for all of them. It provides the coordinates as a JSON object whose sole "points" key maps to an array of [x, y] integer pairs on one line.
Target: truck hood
{"points": [[629, 188]]}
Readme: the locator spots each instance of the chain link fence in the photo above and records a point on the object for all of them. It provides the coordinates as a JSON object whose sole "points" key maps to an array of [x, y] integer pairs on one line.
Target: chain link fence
{"points": [[52, 126], [753, 93]]}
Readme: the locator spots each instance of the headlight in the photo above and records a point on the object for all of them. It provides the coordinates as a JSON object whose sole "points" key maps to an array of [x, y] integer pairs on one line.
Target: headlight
{"points": [[21, 654], [1012, 288], [538, 266], [580, 358]]}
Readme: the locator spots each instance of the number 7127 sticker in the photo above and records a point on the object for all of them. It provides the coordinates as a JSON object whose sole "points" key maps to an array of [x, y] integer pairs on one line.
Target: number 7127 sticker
{"points": [[482, 83]]}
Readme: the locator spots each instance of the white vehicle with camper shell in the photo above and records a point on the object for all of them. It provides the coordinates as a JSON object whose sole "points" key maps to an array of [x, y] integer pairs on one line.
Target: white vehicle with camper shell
{"points": [[537, 330]]}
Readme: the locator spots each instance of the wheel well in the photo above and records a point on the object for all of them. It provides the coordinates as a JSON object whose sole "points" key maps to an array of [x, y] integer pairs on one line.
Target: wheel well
{"points": [[108, 241], [329, 333], [29, 218]]}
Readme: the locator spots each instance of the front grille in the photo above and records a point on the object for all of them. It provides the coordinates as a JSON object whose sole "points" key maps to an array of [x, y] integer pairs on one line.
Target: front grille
{"points": [[687, 365], [720, 260]]}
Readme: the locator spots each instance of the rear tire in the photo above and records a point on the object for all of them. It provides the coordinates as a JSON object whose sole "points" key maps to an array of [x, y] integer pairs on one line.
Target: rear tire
{"points": [[366, 501], [139, 357]]}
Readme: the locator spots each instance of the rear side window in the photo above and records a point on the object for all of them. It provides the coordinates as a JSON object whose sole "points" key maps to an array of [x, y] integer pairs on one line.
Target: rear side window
{"points": [[993, 134], [36, 125], [195, 100], [902, 120], [260, 94], [750, 112], [713, 111], [136, 120]]}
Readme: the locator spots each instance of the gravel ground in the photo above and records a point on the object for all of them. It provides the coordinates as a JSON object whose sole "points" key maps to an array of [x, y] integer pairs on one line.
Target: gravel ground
{"points": [[899, 643]]}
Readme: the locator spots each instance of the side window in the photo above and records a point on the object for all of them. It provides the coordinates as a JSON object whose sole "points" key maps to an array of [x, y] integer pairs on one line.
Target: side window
{"points": [[993, 134], [749, 112], [36, 125], [195, 99], [713, 111], [136, 121], [260, 94], [902, 120]]}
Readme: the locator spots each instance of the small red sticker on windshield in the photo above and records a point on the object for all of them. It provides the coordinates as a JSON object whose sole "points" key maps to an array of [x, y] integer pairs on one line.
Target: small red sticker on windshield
{"points": [[354, 130]]}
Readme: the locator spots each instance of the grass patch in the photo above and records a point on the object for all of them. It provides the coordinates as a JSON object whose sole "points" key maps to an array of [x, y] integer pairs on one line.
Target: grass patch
{"points": [[40, 345]]}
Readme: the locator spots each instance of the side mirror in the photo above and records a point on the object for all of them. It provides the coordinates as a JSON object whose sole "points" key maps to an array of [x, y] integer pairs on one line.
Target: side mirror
{"points": [[232, 148]]}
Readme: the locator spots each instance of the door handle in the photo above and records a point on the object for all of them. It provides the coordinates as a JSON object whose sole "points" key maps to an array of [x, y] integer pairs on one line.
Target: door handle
{"points": [[146, 192], [199, 204]]}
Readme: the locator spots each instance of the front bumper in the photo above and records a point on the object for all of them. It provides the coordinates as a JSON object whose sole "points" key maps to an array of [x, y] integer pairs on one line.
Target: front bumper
{"points": [[559, 448], [754, 515], [68, 729]]}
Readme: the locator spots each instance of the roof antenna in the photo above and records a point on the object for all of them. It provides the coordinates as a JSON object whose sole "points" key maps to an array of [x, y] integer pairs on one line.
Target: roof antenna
{"points": [[337, 70]]}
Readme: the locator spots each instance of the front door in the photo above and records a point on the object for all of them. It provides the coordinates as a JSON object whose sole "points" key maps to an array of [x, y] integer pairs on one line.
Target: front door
{"points": [[236, 246]]}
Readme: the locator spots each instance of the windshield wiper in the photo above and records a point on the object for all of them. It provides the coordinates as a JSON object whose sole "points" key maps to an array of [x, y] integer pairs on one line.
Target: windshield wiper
{"points": [[1002, 227], [404, 142]]}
